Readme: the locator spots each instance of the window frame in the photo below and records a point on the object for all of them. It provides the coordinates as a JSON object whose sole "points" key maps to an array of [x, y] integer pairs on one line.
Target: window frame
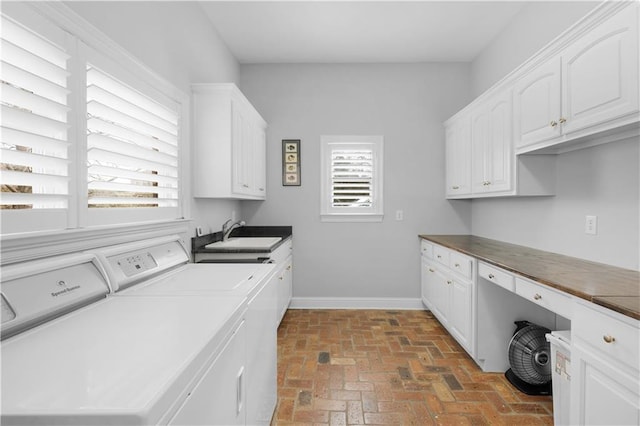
{"points": [[329, 213]]}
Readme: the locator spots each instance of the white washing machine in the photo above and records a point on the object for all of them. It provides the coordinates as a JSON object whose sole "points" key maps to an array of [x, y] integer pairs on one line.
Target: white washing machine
{"points": [[77, 357], [132, 275], [74, 353]]}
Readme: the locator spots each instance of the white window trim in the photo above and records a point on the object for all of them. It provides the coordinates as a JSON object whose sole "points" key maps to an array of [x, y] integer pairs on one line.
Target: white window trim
{"points": [[330, 214], [77, 236]]}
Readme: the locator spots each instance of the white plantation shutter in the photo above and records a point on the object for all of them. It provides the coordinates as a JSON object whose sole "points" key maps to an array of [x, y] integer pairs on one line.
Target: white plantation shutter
{"points": [[132, 146], [352, 176], [34, 125]]}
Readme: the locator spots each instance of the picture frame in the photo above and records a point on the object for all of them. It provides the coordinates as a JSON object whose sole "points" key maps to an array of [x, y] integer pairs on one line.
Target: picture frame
{"points": [[291, 162]]}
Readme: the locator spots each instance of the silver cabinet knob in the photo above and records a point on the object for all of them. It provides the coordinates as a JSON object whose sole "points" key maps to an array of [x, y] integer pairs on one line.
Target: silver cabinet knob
{"points": [[608, 338]]}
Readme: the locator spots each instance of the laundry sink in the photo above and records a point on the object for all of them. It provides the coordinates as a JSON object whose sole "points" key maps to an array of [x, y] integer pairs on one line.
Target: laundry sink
{"points": [[245, 243]]}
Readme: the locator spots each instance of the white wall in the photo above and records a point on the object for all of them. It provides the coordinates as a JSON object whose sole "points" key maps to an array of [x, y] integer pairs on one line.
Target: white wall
{"points": [[405, 103], [177, 41], [600, 181]]}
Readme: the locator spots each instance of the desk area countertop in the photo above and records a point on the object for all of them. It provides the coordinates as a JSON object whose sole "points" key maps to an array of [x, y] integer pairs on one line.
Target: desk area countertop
{"points": [[615, 288]]}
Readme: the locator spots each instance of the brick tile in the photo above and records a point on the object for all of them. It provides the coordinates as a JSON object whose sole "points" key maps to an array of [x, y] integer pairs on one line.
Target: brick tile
{"points": [[339, 367]]}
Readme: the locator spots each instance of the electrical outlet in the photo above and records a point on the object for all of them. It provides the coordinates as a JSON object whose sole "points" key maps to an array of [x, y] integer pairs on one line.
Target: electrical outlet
{"points": [[591, 225], [199, 232], [399, 215]]}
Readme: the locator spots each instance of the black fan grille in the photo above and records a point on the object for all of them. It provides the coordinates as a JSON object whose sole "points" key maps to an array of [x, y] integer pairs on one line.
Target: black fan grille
{"points": [[530, 355]]}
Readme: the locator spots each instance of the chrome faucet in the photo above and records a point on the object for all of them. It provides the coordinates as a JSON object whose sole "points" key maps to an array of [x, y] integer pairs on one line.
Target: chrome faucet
{"points": [[226, 228]]}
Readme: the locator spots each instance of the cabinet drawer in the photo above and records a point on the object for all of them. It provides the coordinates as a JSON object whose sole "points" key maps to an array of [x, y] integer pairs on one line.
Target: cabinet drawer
{"points": [[607, 334], [497, 276], [460, 264], [546, 297], [441, 255], [426, 249]]}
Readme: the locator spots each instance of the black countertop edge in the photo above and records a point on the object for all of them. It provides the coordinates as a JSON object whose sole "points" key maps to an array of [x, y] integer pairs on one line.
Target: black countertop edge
{"points": [[284, 232]]}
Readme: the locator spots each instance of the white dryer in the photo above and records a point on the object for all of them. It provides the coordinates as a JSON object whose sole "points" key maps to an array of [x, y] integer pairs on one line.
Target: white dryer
{"points": [[132, 271]]}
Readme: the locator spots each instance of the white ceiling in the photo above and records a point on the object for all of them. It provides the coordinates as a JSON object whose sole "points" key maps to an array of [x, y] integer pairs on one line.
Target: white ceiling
{"points": [[358, 31]]}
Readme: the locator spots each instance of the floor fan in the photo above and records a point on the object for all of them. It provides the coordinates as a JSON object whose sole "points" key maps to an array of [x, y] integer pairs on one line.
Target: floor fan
{"points": [[530, 359]]}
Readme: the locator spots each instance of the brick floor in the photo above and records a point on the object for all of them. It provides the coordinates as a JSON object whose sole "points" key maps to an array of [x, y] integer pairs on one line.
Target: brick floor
{"points": [[343, 367]]}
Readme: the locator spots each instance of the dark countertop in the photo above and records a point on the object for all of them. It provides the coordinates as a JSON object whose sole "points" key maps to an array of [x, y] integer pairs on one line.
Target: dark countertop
{"points": [[615, 288], [285, 232]]}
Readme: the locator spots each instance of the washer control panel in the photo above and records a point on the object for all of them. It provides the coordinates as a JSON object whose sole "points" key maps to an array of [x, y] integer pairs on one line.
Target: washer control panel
{"points": [[137, 263]]}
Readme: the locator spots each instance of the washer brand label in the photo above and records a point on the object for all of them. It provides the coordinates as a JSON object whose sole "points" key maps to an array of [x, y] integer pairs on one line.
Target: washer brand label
{"points": [[65, 290]]}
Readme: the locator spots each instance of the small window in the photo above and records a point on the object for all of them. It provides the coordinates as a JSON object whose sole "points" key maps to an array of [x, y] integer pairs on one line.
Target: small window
{"points": [[352, 176]]}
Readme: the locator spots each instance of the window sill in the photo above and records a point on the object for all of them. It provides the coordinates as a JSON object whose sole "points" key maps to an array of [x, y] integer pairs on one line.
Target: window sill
{"points": [[34, 245], [351, 217]]}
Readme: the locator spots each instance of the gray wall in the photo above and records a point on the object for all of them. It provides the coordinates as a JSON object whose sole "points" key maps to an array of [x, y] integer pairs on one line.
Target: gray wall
{"points": [[600, 181], [405, 103], [177, 41], [530, 30]]}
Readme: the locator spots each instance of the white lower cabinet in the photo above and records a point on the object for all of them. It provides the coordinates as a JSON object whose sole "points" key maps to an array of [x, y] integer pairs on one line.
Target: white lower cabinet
{"points": [[605, 383], [447, 290], [219, 398], [285, 287]]}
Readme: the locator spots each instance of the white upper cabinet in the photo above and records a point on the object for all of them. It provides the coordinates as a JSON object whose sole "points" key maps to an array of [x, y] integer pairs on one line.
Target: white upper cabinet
{"points": [[591, 86], [580, 90], [229, 152], [458, 161]]}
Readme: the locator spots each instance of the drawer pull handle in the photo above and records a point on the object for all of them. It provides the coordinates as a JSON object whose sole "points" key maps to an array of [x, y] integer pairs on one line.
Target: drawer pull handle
{"points": [[491, 276], [431, 270], [449, 282], [281, 277], [608, 339], [457, 265], [537, 296], [289, 268], [439, 257], [455, 187]]}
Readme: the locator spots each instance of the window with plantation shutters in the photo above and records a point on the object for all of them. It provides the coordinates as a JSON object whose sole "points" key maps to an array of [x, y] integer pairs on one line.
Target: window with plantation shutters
{"points": [[132, 146], [90, 136], [351, 178], [34, 125]]}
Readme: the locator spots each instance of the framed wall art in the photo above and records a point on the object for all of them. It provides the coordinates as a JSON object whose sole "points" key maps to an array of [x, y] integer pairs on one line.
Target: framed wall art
{"points": [[291, 162]]}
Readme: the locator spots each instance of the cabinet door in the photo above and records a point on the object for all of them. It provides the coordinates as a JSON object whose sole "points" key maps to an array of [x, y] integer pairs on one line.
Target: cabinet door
{"points": [[426, 283], [499, 163], [240, 150], [600, 393], [260, 163], [600, 73], [536, 100], [492, 151], [219, 398], [458, 158], [460, 312], [439, 292], [479, 146], [285, 287]]}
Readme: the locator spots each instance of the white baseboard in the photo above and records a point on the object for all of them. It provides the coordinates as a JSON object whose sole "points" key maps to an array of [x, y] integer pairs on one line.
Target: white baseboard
{"points": [[356, 303]]}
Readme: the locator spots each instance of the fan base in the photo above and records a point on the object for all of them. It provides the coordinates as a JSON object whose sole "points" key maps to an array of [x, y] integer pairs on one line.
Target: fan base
{"points": [[527, 388]]}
